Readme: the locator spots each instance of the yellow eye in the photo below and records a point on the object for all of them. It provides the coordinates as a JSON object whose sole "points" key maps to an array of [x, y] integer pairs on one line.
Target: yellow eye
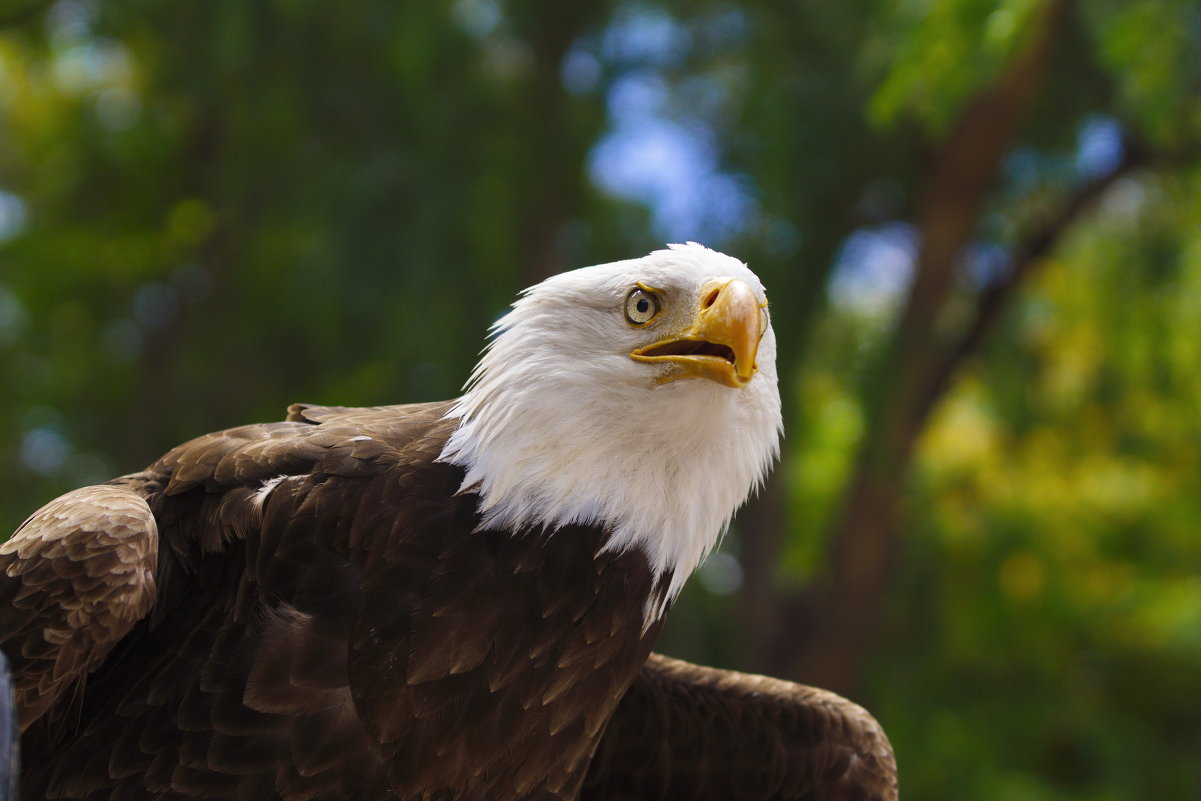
{"points": [[641, 306]]}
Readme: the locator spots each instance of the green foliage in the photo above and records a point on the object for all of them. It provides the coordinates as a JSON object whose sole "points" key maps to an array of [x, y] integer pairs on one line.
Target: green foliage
{"points": [[1150, 47], [212, 209], [947, 51], [1073, 499]]}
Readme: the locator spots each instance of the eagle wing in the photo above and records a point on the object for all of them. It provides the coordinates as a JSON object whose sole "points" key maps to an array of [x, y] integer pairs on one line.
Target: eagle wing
{"points": [[223, 674], [74, 578], [686, 732], [329, 622]]}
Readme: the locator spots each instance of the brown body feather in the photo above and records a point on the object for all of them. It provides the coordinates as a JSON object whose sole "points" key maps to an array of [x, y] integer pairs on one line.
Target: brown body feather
{"points": [[305, 610]]}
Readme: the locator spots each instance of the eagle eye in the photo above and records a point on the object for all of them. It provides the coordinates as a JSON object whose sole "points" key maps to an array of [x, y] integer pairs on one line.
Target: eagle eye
{"points": [[641, 306]]}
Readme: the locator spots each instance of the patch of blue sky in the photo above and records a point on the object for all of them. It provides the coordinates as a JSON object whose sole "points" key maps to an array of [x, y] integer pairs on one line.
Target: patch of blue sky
{"points": [[13, 216], [45, 450], [874, 268], [986, 263], [477, 18], [672, 168], [645, 36], [660, 149], [581, 71], [1100, 146]]}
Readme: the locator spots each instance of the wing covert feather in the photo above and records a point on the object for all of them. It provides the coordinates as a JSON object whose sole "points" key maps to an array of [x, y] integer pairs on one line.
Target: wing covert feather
{"points": [[685, 732], [74, 578]]}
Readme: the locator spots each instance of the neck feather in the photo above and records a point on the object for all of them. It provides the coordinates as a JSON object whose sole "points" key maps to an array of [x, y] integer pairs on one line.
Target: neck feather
{"points": [[661, 468]]}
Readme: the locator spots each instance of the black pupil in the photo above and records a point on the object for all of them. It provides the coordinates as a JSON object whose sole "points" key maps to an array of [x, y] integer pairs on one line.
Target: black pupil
{"points": [[643, 305]]}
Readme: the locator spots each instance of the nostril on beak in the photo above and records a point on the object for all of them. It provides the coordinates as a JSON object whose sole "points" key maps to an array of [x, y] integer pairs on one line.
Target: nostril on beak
{"points": [[710, 299]]}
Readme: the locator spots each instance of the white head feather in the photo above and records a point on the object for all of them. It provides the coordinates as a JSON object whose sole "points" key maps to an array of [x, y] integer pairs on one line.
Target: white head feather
{"points": [[559, 425]]}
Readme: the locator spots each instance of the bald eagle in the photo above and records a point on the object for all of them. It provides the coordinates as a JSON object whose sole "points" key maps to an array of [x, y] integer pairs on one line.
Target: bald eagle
{"points": [[437, 601]]}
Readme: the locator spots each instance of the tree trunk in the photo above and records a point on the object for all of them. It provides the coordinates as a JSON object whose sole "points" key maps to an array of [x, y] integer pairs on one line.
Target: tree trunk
{"points": [[841, 614]]}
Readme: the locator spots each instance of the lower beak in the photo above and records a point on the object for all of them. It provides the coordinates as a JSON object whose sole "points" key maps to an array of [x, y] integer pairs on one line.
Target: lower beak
{"points": [[722, 341]]}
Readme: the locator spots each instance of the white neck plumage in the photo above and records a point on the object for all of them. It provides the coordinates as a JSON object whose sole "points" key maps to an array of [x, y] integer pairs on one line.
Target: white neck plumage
{"points": [[548, 440]]}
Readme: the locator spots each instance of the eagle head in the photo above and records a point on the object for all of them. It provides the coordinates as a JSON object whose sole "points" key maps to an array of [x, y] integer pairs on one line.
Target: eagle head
{"points": [[640, 396]]}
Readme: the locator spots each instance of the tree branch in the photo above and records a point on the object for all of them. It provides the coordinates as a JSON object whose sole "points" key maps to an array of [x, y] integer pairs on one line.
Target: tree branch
{"points": [[1026, 257], [842, 611]]}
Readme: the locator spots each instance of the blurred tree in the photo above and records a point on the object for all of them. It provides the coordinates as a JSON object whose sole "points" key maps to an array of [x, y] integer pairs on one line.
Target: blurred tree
{"points": [[978, 220]]}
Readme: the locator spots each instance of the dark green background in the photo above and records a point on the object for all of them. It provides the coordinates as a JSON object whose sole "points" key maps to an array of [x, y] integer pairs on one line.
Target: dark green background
{"points": [[212, 208]]}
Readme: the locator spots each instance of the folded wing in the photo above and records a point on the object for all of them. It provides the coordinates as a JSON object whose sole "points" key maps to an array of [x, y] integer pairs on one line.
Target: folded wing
{"points": [[685, 732]]}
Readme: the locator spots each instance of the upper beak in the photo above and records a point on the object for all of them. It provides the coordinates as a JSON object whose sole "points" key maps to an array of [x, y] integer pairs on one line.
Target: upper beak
{"points": [[722, 341]]}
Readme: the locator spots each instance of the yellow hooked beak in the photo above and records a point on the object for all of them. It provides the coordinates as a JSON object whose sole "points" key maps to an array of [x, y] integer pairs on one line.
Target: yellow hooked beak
{"points": [[722, 341]]}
